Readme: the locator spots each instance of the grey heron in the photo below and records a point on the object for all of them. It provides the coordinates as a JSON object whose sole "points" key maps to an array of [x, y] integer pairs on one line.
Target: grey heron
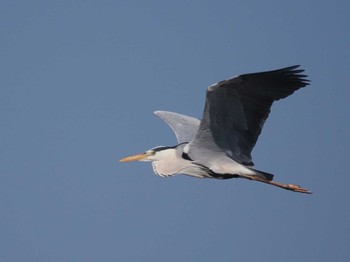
{"points": [[219, 146]]}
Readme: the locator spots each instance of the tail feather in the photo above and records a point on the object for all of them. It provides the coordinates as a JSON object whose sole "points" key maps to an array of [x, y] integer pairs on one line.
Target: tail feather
{"points": [[263, 175]]}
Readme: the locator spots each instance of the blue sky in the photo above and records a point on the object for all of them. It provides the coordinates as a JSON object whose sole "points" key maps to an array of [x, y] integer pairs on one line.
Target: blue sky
{"points": [[80, 80]]}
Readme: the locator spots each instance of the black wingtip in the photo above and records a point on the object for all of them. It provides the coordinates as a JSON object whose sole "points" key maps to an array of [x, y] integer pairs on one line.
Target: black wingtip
{"points": [[297, 73]]}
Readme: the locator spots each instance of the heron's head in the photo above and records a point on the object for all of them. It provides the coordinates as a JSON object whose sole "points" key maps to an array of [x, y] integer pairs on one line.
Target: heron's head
{"points": [[154, 154]]}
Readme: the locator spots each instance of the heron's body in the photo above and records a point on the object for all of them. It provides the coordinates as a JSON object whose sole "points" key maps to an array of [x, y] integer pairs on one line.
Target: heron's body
{"points": [[220, 145], [222, 167]]}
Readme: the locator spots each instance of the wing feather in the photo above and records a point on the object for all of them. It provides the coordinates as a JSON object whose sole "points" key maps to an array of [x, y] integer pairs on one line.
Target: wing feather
{"points": [[236, 110], [184, 127]]}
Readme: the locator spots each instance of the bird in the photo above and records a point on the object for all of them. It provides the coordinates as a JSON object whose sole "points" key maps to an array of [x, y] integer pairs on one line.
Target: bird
{"points": [[219, 145]]}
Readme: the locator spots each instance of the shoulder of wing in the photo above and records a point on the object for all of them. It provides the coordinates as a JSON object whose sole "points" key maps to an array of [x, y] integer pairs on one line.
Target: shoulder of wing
{"points": [[236, 80]]}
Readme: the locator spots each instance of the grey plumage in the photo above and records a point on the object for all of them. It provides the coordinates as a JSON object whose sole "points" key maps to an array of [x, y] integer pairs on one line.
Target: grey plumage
{"points": [[236, 110], [184, 127]]}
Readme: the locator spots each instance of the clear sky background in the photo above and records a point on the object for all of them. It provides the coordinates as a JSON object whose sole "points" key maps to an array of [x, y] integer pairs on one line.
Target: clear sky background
{"points": [[79, 82]]}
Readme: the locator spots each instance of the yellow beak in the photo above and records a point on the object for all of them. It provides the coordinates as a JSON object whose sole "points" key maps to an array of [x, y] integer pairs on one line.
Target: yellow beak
{"points": [[137, 157]]}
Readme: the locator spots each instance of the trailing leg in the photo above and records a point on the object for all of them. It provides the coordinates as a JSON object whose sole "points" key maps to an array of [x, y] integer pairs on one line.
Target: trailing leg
{"points": [[291, 187]]}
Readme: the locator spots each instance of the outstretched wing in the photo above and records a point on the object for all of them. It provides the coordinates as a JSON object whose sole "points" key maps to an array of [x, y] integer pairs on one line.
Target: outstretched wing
{"points": [[236, 109], [184, 127]]}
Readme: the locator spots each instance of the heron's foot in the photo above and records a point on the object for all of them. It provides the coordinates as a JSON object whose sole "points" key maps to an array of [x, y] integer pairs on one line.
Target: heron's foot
{"points": [[297, 188]]}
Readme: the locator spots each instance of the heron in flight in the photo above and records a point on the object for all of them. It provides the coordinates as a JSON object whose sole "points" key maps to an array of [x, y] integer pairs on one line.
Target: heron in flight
{"points": [[219, 146]]}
